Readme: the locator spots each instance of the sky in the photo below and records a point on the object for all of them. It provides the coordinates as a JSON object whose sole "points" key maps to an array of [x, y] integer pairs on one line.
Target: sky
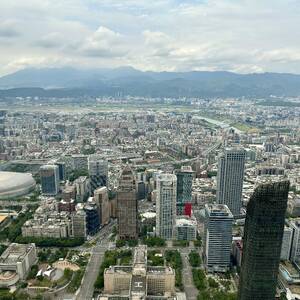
{"points": [[243, 36]]}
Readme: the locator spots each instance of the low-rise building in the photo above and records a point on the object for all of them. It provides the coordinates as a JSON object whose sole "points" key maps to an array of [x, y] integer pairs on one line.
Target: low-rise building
{"points": [[79, 224], [48, 222], [139, 281], [15, 263], [185, 228]]}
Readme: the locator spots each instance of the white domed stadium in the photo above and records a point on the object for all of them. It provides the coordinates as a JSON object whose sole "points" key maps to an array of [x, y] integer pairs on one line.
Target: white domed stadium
{"points": [[15, 184]]}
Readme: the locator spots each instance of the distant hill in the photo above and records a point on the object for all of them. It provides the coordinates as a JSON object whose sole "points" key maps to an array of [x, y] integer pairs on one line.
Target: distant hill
{"points": [[62, 82]]}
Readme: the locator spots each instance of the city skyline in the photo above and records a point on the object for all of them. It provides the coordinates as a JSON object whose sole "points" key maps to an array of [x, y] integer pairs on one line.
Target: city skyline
{"points": [[149, 150]]}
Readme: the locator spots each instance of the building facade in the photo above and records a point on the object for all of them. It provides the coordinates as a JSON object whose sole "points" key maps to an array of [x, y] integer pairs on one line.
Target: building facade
{"points": [[184, 188], [127, 205], [230, 179], [139, 281], [79, 224], [18, 258], [49, 180], [185, 229], [83, 189], [166, 205], [98, 172], [92, 219], [262, 241], [103, 206], [217, 237], [286, 243], [295, 248]]}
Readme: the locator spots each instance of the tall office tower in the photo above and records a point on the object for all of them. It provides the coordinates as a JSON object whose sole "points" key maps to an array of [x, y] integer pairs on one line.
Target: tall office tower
{"points": [[92, 218], [230, 178], [286, 243], [262, 241], [166, 205], [127, 205], [98, 172], [184, 188], [295, 251], [49, 180], [103, 205], [217, 237], [2, 122]]}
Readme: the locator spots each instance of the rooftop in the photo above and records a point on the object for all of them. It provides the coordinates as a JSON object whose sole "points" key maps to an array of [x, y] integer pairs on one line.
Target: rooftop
{"points": [[185, 221], [13, 181], [218, 209], [15, 253]]}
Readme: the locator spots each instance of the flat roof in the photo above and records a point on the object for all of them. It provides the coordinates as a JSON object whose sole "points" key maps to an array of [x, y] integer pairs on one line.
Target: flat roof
{"points": [[138, 284], [2, 218], [186, 221], [15, 253]]}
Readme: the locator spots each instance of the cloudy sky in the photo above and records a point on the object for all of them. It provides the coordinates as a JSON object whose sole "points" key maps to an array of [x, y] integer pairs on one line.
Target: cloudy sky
{"points": [[235, 35]]}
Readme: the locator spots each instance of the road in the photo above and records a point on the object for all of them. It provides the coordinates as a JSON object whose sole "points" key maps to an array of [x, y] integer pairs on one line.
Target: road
{"points": [[92, 270], [91, 273], [87, 286], [189, 288], [187, 277]]}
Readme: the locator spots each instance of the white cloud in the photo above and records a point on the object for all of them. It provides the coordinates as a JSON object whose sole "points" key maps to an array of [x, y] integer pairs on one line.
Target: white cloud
{"points": [[242, 36], [104, 43], [8, 29], [51, 40]]}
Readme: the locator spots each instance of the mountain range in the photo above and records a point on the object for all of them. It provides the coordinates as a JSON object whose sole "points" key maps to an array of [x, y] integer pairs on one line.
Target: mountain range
{"points": [[71, 82]]}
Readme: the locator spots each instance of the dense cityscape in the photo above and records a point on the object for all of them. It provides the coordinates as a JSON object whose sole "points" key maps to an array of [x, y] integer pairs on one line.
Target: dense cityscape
{"points": [[150, 198], [149, 150]]}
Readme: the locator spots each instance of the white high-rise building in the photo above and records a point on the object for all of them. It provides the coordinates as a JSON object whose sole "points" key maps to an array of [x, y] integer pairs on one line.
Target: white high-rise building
{"points": [[166, 205], [230, 178], [286, 243], [217, 237], [295, 252]]}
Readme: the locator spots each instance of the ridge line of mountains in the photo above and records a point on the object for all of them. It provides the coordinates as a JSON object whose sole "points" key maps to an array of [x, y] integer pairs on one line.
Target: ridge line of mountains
{"points": [[70, 82]]}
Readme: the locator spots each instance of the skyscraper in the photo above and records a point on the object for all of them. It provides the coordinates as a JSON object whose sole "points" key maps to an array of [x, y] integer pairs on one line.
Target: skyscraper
{"points": [[286, 243], [127, 205], [217, 237], [295, 248], [102, 202], [92, 218], [166, 205], [230, 179], [184, 188], [49, 180], [98, 172], [262, 241]]}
